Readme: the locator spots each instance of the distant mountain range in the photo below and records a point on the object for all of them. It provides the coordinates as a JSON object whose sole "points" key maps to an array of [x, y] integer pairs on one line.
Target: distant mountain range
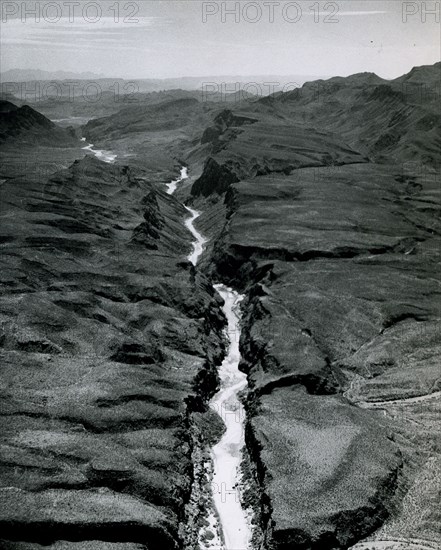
{"points": [[25, 75], [255, 84]]}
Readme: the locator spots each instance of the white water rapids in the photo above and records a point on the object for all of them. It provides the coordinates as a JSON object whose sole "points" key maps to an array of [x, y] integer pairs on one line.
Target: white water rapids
{"points": [[200, 240], [101, 154], [171, 187], [232, 520], [227, 454]]}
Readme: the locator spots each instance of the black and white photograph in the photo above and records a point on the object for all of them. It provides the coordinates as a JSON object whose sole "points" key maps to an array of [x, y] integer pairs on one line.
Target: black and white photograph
{"points": [[220, 275]]}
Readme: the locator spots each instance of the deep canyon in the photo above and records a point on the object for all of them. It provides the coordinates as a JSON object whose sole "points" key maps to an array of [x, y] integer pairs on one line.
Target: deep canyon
{"points": [[282, 251]]}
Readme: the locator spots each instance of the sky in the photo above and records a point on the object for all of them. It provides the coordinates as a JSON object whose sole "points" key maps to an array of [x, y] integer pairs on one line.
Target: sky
{"points": [[161, 39]]}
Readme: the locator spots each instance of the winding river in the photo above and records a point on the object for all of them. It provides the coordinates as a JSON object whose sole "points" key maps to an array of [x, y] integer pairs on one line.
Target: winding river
{"points": [[101, 154], [228, 517]]}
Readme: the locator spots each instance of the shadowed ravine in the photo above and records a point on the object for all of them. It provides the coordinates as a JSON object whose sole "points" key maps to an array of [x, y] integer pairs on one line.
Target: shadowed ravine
{"points": [[231, 521]]}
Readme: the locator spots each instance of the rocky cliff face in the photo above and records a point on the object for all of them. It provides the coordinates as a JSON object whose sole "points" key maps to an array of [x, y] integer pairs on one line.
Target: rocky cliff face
{"points": [[262, 145]]}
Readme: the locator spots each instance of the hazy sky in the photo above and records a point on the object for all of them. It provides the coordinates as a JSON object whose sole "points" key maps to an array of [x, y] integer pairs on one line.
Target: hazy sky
{"points": [[173, 38]]}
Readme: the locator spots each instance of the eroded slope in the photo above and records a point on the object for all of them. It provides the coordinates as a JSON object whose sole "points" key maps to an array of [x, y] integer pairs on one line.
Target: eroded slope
{"points": [[108, 335]]}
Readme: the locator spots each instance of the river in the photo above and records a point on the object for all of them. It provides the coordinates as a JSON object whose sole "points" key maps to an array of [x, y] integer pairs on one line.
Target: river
{"points": [[228, 517], [101, 154], [227, 453], [171, 187]]}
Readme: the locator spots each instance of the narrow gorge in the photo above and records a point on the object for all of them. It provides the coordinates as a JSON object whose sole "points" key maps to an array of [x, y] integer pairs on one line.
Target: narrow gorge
{"points": [[229, 525], [244, 356]]}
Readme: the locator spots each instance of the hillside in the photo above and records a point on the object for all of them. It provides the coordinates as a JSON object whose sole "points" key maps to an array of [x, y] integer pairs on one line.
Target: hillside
{"points": [[105, 332], [30, 127]]}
